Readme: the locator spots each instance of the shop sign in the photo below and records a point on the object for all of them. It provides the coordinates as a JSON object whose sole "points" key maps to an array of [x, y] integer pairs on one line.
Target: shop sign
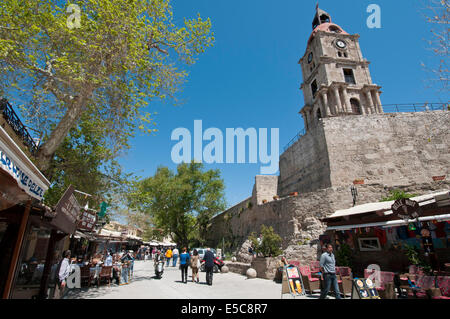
{"points": [[406, 209], [438, 178], [25, 179], [67, 212], [87, 220], [358, 182]]}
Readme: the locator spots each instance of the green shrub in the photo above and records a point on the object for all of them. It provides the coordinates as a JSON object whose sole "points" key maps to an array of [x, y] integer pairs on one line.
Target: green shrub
{"points": [[270, 243]]}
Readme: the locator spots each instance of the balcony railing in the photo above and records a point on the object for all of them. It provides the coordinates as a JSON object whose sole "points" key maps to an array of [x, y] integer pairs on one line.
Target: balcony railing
{"points": [[388, 108], [13, 120]]}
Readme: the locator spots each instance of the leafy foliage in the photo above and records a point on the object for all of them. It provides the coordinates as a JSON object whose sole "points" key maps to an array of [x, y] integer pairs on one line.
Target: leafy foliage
{"points": [[181, 203], [270, 243], [396, 195], [344, 256], [123, 55]]}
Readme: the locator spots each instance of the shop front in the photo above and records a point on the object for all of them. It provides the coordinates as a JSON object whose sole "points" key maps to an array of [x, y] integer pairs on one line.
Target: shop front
{"points": [[22, 187], [45, 239], [387, 234]]}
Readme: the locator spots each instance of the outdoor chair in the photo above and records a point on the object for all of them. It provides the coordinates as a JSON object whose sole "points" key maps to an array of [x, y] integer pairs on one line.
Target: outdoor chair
{"points": [[384, 283], [294, 262], [443, 282], [85, 275], [315, 266], [105, 273], [311, 284], [344, 280], [424, 283]]}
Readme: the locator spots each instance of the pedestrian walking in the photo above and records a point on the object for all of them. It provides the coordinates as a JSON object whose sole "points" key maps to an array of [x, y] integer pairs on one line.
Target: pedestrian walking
{"points": [[62, 274], [195, 266], [328, 270], [108, 260], [168, 256], [175, 253], [146, 256], [209, 266], [184, 264]]}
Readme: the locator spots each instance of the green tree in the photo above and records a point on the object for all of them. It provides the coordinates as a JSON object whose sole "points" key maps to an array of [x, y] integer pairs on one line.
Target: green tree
{"points": [[180, 203], [123, 55]]}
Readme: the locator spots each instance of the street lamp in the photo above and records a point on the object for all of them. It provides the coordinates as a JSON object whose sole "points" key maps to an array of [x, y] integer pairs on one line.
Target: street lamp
{"points": [[354, 194]]}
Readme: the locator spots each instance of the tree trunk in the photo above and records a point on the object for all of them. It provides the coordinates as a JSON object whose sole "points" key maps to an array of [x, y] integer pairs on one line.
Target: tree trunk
{"points": [[48, 149]]}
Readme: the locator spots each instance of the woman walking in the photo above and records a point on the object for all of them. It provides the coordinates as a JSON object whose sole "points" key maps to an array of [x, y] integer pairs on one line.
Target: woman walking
{"points": [[195, 263], [184, 259]]}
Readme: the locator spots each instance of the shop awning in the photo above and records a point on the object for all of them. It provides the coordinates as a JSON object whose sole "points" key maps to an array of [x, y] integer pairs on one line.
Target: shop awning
{"points": [[385, 207], [16, 163], [391, 223]]}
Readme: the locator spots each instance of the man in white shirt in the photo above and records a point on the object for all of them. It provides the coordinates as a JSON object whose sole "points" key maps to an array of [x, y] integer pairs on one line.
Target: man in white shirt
{"points": [[64, 272], [108, 260]]}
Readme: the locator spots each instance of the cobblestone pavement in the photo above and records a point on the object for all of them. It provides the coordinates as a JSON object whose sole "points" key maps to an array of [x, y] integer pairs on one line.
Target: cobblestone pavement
{"points": [[145, 286]]}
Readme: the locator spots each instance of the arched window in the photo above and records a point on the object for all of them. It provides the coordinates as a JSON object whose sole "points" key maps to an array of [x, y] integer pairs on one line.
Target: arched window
{"points": [[319, 114], [356, 107]]}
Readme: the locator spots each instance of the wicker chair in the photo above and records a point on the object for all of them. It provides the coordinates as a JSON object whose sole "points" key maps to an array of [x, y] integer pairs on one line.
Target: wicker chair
{"points": [[85, 275], [311, 284], [105, 273]]}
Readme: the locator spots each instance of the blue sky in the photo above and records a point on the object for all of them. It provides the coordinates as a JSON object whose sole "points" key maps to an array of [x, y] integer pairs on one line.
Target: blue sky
{"points": [[250, 78]]}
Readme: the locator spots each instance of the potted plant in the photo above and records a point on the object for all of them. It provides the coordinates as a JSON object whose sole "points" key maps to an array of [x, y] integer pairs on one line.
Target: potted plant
{"points": [[276, 197], [293, 194], [264, 201], [267, 248]]}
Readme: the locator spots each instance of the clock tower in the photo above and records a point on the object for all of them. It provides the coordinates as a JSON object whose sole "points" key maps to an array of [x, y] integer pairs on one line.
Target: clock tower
{"points": [[336, 77]]}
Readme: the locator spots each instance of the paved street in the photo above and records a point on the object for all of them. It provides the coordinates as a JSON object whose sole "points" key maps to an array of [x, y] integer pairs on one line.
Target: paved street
{"points": [[145, 286]]}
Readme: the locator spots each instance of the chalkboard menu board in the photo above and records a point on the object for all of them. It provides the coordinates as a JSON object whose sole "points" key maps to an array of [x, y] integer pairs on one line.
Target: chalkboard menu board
{"points": [[364, 288]]}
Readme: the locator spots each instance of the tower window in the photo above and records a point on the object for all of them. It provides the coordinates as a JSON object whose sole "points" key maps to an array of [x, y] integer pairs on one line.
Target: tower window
{"points": [[339, 54], [334, 29], [314, 88], [349, 77], [345, 54]]}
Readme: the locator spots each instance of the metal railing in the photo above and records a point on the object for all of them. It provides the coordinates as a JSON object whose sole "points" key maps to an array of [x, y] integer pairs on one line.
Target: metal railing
{"points": [[16, 124], [295, 139], [388, 108]]}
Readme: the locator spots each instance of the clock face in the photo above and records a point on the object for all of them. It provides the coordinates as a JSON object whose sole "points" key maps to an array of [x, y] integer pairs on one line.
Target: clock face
{"points": [[310, 57], [341, 44]]}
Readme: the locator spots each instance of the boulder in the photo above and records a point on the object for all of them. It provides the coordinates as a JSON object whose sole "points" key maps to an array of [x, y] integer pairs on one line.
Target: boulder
{"points": [[224, 269], [243, 254], [251, 273]]}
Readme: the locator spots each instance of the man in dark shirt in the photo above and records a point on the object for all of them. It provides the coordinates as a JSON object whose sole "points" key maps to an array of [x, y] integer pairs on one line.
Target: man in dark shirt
{"points": [[209, 266]]}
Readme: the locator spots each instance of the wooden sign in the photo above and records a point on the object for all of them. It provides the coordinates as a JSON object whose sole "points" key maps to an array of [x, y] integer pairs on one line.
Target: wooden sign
{"points": [[406, 209], [292, 281], [438, 178], [364, 288], [358, 182], [87, 220], [67, 212]]}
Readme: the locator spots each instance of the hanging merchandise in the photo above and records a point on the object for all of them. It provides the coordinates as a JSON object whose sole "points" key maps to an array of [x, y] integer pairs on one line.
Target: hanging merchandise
{"points": [[411, 226]]}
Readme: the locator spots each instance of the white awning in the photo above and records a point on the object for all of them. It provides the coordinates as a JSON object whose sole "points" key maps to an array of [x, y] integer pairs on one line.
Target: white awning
{"points": [[105, 232], [17, 164], [385, 207], [391, 223]]}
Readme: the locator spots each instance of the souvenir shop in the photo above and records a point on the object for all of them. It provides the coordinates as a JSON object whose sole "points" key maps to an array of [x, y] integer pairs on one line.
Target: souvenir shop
{"points": [[383, 233]]}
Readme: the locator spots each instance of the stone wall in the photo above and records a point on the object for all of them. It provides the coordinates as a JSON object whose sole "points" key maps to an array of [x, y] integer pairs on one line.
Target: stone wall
{"points": [[305, 166], [389, 149], [392, 149]]}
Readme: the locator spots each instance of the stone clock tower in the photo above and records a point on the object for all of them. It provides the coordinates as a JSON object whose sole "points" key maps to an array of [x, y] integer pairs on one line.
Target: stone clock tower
{"points": [[336, 77]]}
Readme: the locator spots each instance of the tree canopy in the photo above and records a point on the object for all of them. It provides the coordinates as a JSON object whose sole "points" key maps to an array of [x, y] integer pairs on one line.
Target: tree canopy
{"points": [[181, 203], [122, 55]]}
